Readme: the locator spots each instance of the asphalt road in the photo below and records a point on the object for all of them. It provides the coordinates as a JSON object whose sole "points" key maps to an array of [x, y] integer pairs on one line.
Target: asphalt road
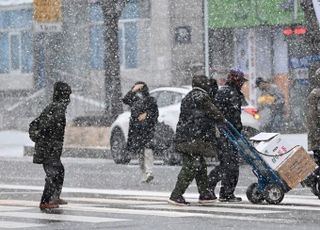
{"points": [[103, 195]]}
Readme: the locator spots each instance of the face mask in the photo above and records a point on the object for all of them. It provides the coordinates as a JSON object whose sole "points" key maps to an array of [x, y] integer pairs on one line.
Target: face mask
{"points": [[139, 95]]}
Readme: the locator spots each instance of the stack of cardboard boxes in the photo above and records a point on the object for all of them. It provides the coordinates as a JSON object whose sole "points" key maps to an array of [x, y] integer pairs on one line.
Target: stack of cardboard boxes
{"points": [[291, 161]]}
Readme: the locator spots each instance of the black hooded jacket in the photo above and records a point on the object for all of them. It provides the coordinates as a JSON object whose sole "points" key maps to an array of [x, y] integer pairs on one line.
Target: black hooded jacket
{"points": [[141, 133], [52, 124], [228, 100], [198, 117]]}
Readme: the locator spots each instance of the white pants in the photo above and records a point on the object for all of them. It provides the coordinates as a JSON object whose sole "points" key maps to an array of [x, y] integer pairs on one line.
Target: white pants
{"points": [[146, 161]]}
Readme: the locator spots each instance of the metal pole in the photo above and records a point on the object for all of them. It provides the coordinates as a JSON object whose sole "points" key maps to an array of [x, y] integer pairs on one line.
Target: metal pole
{"points": [[206, 38], [295, 10]]}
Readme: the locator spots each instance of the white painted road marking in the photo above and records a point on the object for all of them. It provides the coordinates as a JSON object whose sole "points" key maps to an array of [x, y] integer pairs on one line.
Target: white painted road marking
{"points": [[12, 208], [210, 209], [60, 217], [13, 225]]}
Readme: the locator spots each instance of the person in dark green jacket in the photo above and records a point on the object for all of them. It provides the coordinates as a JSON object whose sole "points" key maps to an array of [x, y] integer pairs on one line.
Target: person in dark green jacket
{"points": [[195, 136]]}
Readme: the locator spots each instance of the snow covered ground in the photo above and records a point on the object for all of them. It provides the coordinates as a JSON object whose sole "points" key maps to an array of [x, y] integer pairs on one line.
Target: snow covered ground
{"points": [[13, 141]]}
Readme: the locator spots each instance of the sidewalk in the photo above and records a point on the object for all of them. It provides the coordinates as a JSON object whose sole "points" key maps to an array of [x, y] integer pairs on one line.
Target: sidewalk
{"points": [[15, 143]]}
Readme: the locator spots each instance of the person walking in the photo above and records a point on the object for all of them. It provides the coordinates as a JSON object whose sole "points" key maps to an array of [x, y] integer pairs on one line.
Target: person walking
{"points": [[195, 135], [228, 99], [48, 147], [313, 126], [143, 119], [271, 99]]}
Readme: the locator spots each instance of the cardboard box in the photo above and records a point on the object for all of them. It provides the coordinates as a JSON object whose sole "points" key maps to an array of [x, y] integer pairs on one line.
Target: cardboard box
{"points": [[273, 147], [297, 167]]}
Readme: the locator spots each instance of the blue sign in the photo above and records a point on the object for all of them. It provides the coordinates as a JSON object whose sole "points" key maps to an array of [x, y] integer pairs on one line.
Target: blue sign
{"points": [[303, 62]]}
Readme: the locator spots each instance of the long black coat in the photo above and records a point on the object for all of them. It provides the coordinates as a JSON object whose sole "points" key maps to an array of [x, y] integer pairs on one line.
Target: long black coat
{"points": [[229, 100], [141, 133], [52, 126], [198, 117]]}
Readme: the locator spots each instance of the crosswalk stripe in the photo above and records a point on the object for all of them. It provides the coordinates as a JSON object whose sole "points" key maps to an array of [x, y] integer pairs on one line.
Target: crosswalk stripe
{"points": [[111, 201], [183, 212], [119, 192], [45, 216], [13, 224], [147, 212], [175, 214], [12, 208], [210, 209]]}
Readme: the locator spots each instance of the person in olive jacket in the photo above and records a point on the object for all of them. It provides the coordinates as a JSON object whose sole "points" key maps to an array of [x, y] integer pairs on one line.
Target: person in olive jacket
{"points": [[52, 122], [228, 99], [143, 120], [195, 135]]}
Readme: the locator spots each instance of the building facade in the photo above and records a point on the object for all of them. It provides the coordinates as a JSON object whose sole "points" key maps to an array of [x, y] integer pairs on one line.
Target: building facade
{"points": [[161, 42]]}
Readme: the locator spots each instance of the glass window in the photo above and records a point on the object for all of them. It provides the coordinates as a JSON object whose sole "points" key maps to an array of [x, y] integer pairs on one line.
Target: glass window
{"points": [[131, 46], [4, 53], [177, 98], [96, 47], [127, 36], [120, 43], [26, 52], [15, 52], [95, 13], [131, 10], [165, 98]]}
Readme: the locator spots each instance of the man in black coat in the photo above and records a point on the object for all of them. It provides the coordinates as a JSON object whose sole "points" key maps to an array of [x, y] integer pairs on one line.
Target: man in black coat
{"points": [[143, 119], [52, 122], [228, 100], [195, 135]]}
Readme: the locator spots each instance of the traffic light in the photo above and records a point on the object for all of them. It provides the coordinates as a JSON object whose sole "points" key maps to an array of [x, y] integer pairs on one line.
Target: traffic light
{"points": [[294, 31]]}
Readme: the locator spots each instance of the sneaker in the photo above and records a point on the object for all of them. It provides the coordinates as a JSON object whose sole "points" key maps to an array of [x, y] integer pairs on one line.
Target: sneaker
{"points": [[231, 198], [60, 201], [49, 205], [149, 177], [207, 199], [180, 201]]}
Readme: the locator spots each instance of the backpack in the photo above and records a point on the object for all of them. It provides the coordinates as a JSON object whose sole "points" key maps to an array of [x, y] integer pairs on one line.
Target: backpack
{"points": [[34, 130], [35, 135]]}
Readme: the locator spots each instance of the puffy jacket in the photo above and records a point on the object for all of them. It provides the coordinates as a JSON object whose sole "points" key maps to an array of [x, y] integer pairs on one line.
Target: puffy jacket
{"points": [[198, 117], [229, 100]]}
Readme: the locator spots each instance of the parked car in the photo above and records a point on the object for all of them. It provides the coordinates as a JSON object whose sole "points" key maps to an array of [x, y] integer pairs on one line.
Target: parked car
{"points": [[168, 100]]}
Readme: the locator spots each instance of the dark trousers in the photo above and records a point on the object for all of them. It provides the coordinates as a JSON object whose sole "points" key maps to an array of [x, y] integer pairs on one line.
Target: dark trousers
{"points": [[54, 182], [227, 171], [316, 157], [193, 167]]}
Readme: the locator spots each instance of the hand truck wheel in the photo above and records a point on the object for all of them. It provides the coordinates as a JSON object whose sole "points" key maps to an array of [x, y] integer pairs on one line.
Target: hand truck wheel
{"points": [[273, 194], [253, 194], [315, 188]]}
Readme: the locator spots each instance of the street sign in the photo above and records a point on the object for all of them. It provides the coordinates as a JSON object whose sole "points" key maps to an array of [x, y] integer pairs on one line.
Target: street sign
{"points": [[316, 6], [47, 15]]}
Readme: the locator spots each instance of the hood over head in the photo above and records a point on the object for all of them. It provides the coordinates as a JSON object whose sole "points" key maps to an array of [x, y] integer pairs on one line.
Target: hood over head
{"points": [[61, 92], [236, 78], [200, 81]]}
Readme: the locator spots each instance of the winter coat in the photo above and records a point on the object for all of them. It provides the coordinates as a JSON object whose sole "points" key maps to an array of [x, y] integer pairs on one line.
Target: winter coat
{"points": [[229, 100], [197, 122], [52, 125], [278, 98], [141, 133], [313, 120]]}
